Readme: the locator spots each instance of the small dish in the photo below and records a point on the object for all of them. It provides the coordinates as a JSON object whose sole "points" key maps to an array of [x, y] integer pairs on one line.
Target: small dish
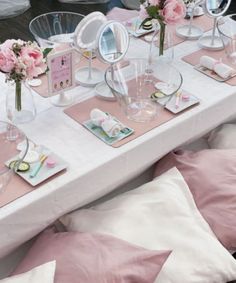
{"points": [[99, 132], [212, 74], [45, 172], [133, 27], [182, 105]]}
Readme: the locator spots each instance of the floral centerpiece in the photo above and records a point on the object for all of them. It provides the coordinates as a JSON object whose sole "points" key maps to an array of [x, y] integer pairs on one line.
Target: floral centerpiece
{"points": [[165, 12], [21, 60]]}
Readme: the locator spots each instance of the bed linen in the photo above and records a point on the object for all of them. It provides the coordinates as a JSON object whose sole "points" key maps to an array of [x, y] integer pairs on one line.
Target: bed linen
{"points": [[39, 274], [90, 258], [211, 178], [162, 215], [223, 137]]}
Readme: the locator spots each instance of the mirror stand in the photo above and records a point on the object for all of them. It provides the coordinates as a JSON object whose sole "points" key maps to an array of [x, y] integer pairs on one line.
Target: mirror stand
{"points": [[103, 91], [62, 99], [190, 31], [214, 9], [85, 39], [112, 44], [89, 76], [211, 42]]}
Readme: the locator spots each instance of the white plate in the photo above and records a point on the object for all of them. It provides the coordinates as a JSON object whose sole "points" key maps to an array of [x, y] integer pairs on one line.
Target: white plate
{"points": [[171, 105], [44, 172], [133, 27]]}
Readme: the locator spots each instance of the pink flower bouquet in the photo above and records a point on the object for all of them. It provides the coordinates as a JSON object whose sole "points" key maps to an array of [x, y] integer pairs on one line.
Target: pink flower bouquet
{"points": [[165, 12], [21, 60]]}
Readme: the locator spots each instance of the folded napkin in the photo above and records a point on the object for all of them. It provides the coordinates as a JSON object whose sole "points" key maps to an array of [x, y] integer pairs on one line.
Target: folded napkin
{"points": [[222, 70], [109, 125]]}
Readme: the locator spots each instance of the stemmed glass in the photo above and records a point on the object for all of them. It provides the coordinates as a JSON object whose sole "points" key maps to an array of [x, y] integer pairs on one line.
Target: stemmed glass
{"points": [[14, 146]]}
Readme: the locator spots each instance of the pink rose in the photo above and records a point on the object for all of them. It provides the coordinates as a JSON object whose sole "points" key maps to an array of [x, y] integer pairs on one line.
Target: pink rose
{"points": [[174, 10], [32, 57], [2, 60], [21, 59], [154, 2], [6, 65], [142, 12]]}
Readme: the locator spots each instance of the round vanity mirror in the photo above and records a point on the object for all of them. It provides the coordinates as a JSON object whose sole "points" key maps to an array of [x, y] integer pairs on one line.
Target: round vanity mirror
{"points": [[85, 39], [191, 31], [112, 45], [214, 9], [112, 42]]}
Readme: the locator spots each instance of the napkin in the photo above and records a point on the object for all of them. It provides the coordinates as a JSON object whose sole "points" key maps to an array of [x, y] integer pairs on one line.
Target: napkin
{"points": [[221, 69], [109, 125]]}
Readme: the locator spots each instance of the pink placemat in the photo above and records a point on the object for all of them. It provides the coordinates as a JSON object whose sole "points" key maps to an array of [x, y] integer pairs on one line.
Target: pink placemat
{"points": [[43, 88], [123, 15], [203, 22], [17, 187], [194, 59], [80, 112]]}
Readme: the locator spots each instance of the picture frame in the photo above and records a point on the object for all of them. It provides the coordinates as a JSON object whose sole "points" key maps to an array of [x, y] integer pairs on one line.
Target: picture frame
{"points": [[61, 73]]}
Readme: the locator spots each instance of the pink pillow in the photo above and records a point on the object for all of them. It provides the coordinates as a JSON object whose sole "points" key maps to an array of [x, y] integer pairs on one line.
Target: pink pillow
{"points": [[211, 177], [86, 257]]}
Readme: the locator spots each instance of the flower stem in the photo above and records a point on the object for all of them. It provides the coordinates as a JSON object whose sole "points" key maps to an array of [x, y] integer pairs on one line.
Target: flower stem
{"points": [[162, 39], [18, 96]]}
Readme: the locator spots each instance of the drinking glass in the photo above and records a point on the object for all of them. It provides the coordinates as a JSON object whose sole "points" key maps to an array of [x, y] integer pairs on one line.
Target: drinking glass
{"points": [[14, 145]]}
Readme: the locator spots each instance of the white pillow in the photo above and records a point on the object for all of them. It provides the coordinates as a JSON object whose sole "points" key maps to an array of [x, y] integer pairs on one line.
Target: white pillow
{"points": [[223, 137], [162, 215], [40, 274]]}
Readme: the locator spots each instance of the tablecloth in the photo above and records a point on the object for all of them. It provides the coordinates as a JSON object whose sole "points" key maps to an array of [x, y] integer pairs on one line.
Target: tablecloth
{"points": [[95, 168]]}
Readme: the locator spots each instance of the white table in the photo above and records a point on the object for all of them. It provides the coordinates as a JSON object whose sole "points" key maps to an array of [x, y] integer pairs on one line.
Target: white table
{"points": [[95, 168]]}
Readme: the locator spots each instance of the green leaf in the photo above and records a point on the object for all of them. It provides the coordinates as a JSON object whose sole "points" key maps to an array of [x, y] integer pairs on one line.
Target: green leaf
{"points": [[152, 12], [46, 51]]}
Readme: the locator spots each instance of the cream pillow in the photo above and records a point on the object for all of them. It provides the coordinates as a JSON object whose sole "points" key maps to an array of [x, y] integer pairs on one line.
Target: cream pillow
{"points": [[223, 137], [162, 215], [40, 274]]}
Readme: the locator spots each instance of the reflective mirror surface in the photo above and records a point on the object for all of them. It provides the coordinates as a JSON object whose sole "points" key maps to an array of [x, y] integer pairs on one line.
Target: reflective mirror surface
{"points": [[87, 29], [216, 8], [112, 42]]}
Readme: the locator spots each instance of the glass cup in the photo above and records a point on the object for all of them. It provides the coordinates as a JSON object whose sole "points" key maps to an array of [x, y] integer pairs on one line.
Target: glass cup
{"points": [[14, 146], [227, 30], [128, 82]]}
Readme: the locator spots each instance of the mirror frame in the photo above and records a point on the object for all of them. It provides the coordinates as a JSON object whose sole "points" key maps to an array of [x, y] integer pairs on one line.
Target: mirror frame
{"points": [[215, 15], [98, 41], [81, 28]]}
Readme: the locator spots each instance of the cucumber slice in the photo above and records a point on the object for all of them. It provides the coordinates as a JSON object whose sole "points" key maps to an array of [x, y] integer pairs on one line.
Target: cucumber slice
{"points": [[23, 167]]}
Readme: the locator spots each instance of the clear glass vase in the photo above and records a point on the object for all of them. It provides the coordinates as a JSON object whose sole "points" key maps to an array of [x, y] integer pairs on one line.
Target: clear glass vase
{"points": [[162, 44], [20, 107]]}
